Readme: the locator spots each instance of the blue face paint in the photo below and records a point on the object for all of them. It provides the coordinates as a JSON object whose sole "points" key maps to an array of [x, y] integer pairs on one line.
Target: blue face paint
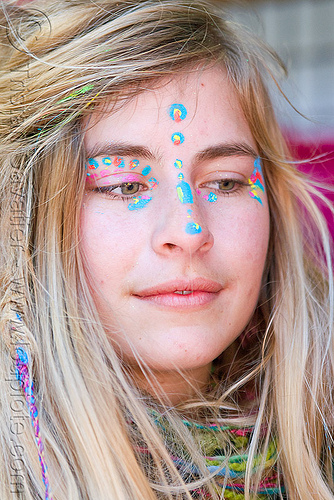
{"points": [[153, 182], [193, 228], [256, 181], [119, 162], [146, 170], [92, 163], [177, 112], [178, 164], [177, 138], [134, 164], [212, 197], [107, 161], [139, 202], [184, 192]]}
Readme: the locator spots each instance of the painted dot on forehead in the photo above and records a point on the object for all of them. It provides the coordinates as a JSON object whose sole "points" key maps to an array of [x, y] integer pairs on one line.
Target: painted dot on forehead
{"points": [[178, 164], [177, 138], [107, 161], [177, 112]]}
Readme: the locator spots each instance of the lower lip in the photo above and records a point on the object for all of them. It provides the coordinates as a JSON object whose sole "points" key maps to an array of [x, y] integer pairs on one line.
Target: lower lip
{"points": [[175, 300]]}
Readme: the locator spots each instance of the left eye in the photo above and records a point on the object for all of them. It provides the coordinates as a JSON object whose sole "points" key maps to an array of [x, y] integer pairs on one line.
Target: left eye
{"points": [[125, 190], [226, 184], [129, 187]]}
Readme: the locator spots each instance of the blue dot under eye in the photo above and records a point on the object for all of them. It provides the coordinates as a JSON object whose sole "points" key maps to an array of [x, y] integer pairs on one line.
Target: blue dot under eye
{"points": [[212, 197]]}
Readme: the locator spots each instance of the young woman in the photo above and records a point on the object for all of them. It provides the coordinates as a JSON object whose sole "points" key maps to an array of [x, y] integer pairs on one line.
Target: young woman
{"points": [[167, 295]]}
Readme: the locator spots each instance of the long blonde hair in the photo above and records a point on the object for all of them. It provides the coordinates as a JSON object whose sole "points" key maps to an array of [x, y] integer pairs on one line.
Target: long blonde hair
{"points": [[59, 60]]}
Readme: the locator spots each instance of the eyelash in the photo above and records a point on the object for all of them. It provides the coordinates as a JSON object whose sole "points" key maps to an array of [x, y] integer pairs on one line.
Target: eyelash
{"points": [[109, 190], [237, 187]]}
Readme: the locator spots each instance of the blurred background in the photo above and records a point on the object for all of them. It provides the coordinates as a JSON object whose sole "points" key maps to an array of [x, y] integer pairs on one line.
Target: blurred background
{"points": [[302, 33]]}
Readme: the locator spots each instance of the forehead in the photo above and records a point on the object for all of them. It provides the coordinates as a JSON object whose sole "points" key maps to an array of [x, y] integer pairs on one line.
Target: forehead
{"points": [[211, 102]]}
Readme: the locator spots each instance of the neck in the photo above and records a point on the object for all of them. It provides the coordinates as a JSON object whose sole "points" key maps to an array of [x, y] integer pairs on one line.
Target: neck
{"points": [[172, 388]]}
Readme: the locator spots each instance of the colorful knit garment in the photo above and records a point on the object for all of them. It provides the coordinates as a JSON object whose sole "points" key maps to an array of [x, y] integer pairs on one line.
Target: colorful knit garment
{"points": [[214, 441]]}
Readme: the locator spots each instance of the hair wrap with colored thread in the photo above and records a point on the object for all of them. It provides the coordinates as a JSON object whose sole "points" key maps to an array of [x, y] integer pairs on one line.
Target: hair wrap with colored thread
{"points": [[22, 375]]}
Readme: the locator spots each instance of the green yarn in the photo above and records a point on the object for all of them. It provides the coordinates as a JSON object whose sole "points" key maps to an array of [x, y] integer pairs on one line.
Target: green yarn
{"points": [[76, 93]]}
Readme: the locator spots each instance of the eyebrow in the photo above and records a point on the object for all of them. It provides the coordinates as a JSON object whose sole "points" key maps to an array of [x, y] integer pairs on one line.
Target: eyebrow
{"points": [[119, 149], [223, 150]]}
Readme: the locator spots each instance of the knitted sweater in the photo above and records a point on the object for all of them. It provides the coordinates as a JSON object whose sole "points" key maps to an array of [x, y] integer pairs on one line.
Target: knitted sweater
{"points": [[225, 451]]}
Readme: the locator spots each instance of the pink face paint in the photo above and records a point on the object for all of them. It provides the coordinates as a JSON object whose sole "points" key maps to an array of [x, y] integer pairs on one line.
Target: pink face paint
{"points": [[256, 181], [177, 112], [104, 173], [105, 168], [177, 138], [211, 197]]}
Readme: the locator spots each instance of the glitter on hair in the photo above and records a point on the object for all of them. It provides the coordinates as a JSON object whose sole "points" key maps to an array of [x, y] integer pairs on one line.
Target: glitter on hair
{"points": [[76, 93]]}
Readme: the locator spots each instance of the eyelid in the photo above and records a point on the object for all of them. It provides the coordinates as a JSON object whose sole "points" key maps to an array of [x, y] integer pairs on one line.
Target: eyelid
{"points": [[116, 178], [110, 190]]}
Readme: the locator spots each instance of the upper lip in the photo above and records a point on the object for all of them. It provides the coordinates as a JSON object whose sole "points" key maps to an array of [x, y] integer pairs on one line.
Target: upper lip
{"points": [[190, 285]]}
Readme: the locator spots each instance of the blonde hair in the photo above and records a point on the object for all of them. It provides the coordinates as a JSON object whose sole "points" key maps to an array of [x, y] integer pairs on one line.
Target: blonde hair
{"points": [[59, 59]]}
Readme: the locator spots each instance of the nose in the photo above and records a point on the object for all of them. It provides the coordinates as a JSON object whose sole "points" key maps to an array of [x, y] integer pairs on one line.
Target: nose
{"points": [[181, 227]]}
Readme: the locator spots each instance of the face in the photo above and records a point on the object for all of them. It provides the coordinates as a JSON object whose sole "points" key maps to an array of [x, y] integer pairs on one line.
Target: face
{"points": [[175, 223]]}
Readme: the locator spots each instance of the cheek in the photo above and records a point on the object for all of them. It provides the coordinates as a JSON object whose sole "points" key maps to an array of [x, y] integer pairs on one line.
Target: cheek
{"points": [[108, 240], [241, 237]]}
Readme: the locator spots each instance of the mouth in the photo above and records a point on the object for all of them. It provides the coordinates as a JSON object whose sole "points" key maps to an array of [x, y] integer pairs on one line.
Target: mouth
{"points": [[181, 294]]}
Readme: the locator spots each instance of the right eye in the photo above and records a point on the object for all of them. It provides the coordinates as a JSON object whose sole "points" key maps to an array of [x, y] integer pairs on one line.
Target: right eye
{"points": [[129, 188], [123, 191]]}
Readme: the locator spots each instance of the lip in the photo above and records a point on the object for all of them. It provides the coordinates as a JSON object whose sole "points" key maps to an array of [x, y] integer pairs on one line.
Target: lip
{"points": [[203, 291]]}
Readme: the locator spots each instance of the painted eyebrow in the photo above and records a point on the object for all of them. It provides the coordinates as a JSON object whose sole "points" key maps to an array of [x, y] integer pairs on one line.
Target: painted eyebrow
{"points": [[225, 150], [120, 149]]}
